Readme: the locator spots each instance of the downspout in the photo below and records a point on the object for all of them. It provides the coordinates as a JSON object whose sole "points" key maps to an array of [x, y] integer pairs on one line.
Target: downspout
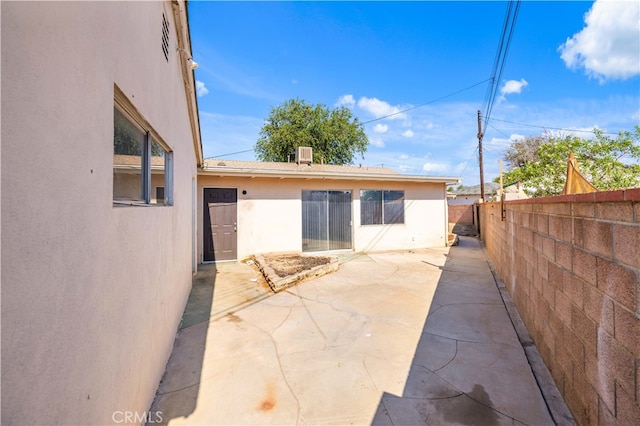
{"points": [[183, 34], [446, 217], [194, 229]]}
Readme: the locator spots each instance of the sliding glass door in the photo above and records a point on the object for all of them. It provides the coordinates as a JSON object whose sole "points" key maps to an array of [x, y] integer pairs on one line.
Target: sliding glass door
{"points": [[326, 220]]}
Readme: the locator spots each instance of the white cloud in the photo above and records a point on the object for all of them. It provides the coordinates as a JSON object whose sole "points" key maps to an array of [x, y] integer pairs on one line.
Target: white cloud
{"points": [[377, 142], [435, 167], [403, 157], [408, 133], [513, 86], [201, 89], [346, 101], [379, 108], [380, 128], [608, 47]]}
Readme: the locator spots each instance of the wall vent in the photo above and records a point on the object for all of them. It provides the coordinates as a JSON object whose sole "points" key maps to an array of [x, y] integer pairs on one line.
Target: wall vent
{"points": [[304, 155], [165, 37]]}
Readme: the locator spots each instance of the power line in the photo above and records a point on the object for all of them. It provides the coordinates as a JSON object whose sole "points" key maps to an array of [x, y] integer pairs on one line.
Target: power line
{"points": [[467, 164], [427, 103], [231, 153], [552, 128], [496, 76], [499, 131], [380, 118], [508, 28]]}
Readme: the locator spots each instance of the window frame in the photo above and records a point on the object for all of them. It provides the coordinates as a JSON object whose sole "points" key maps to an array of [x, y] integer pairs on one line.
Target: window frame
{"points": [[130, 112], [383, 220]]}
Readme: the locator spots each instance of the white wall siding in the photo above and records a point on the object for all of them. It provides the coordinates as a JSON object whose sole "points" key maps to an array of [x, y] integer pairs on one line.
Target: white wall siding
{"points": [[91, 294], [270, 214], [424, 221]]}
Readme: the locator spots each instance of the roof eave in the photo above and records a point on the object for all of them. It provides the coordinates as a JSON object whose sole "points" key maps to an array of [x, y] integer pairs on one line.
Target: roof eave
{"points": [[288, 174], [183, 34]]}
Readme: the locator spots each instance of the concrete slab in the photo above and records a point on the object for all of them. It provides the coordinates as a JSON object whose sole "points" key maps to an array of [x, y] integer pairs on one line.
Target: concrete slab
{"points": [[414, 337]]}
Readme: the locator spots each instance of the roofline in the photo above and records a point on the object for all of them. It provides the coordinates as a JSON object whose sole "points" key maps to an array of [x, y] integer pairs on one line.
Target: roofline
{"points": [[296, 174], [183, 34]]}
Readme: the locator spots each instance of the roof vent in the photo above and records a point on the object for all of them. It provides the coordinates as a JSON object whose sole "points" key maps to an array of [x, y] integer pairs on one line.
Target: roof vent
{"points": [[304, 155]]}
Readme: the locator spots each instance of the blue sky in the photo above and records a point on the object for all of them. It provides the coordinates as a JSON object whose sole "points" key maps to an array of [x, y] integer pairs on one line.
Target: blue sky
{"points": [[571, 65]]}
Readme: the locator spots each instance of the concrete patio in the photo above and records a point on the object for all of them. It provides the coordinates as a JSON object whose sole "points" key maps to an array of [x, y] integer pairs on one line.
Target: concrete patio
{"points": [[393, 338]]}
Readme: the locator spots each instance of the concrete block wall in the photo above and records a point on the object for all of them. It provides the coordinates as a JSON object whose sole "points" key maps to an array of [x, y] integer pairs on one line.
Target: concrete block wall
{"points": [[572, 264], [461, 214]]}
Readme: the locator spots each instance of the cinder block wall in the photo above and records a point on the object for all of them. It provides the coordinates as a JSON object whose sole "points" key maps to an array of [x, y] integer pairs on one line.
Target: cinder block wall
{"points": [[461, 213], [571, 264]]}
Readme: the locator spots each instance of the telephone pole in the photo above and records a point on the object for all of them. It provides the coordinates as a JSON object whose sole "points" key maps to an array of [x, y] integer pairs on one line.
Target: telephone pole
{"points": [[480, 135]]}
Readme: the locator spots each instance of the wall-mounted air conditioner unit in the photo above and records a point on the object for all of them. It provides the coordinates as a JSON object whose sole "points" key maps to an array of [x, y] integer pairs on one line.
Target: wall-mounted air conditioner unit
{"points": [[304, 155]]}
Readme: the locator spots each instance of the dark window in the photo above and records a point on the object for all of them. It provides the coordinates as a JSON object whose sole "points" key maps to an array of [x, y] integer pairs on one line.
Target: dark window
{"points": [[378, 207], [141, 159], [393, 202], [160, 195], [128, 145]]}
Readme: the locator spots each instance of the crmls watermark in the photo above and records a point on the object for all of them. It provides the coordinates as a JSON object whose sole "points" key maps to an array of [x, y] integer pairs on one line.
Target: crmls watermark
{"points": [[134, 417]]}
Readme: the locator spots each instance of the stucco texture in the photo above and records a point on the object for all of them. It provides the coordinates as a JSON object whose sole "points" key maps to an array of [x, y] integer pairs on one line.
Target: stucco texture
{"points": [[92, 294], [270, 214]]}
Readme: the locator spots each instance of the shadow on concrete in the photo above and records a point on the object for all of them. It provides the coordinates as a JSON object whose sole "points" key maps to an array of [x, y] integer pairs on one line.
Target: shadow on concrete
{"points": [[233, 286], [469, 367], [182, 393], [466, 230]]}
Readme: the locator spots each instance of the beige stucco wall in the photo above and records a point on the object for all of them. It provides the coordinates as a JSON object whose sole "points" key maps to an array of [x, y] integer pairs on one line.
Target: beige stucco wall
{"points": [[270, 214], [91, 294]]}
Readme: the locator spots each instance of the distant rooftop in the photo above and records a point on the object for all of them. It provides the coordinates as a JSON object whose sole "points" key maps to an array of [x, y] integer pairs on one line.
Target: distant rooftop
{"points": [[489, 187]]}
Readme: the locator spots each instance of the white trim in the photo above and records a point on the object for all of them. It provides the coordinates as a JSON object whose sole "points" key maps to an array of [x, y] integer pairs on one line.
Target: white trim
{"points": [[125, 106]]}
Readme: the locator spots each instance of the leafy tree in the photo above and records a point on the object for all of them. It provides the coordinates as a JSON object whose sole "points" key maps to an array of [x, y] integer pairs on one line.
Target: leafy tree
{"points": [[335, 135], [129, 140], [540, 162]]}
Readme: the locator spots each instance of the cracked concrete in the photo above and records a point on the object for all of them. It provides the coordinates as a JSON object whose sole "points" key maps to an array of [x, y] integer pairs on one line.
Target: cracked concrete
{"points": [[397, 338]]}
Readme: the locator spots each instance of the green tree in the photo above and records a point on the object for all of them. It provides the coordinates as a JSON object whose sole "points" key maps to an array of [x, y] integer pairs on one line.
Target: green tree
{"points": [[129, 140], [540, 162], [335, 135]]}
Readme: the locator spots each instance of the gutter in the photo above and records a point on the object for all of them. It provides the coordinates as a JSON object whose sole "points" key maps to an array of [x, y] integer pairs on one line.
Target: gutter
{"points": [[181, 19]]}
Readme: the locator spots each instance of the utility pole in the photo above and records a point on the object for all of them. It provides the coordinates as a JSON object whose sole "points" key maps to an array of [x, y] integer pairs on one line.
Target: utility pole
{"points": [[480, 135], [502, 212]]}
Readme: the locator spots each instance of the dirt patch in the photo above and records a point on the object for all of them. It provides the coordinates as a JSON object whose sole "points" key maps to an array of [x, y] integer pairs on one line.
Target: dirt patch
{"points": [[291, 264], [283, 270]]}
